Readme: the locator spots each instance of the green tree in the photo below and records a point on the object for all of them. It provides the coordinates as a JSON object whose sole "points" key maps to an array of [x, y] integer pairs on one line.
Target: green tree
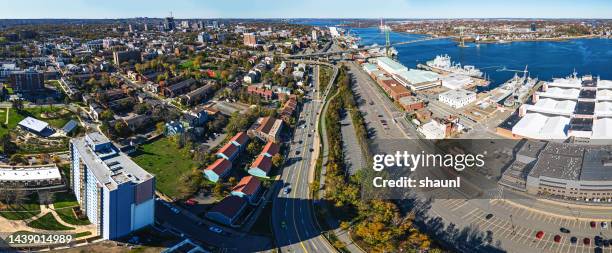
{"points": [[277, 160], [8, 146]]}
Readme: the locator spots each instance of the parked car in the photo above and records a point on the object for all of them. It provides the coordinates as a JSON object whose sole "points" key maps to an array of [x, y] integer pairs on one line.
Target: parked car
{"points": [[593, 224], [217, 230], [564, 230], [573, 240], [586, 241], [539, 235], [287, 190], [557, 238], [191, 202], [489, 216]]}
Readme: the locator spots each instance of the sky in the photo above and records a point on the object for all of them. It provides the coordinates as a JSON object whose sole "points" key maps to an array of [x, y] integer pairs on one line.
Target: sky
{"points": [[307, 8]]}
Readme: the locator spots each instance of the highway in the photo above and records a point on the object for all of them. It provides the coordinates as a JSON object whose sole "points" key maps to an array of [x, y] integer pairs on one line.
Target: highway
{"points": [[293, 217]]}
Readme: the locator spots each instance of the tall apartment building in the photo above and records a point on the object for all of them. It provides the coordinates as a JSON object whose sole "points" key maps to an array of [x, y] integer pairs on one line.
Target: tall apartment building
{"points": [[29, 80], [124, 56], [116, 194], [169, 24], [250, 39]]}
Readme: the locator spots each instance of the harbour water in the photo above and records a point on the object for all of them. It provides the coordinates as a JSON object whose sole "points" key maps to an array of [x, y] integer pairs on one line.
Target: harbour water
{"points": [[500, 62]]}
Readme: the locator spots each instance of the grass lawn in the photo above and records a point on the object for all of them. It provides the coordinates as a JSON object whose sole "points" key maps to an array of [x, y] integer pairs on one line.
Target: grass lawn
{"points": [[166, 161], [48, 222], [64, 199], [57, 121], [68, 216], [82, 234], [14, 119], [28, 209]]}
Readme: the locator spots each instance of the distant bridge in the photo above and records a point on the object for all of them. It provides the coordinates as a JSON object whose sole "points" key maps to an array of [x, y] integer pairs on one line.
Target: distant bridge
{"points": [[323, 54]]}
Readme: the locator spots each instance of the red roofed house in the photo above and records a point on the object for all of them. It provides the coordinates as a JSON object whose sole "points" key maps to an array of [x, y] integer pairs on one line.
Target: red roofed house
{"points": [[261, 166], [240, 140], [229, 151], [270, 149], [248, 188], [265, 94], [219, 169], [228, 210]]}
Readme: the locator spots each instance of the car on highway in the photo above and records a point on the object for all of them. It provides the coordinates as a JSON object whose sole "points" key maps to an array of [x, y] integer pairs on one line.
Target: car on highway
{"points": [[564, 230], [489, 216], [283, 224], [606, 243], [557, 238], [287, 190], [586, 241], [300, 142], [539, 234], [297, 152], [380, 115], [593, 224], [311, 150], [573, 240], [191, 202], [371, 102], [214, 229]]}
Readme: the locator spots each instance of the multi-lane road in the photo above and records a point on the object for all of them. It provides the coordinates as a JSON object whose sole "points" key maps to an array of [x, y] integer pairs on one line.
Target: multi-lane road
{"points": [[294, 223]]}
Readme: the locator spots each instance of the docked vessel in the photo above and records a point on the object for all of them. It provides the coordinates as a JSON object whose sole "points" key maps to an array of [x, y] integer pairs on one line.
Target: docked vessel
{"points": [[517, 89], [443, 62]]}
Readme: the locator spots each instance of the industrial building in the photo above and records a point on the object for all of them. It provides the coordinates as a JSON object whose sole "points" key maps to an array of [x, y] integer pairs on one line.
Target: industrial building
{"points": [[115, 193], [565, 171], [457, 98], [566, 107], [413, 79]]}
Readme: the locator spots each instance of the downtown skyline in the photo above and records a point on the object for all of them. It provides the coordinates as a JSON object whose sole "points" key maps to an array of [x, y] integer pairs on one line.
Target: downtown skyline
{"points": [[111, 9]]}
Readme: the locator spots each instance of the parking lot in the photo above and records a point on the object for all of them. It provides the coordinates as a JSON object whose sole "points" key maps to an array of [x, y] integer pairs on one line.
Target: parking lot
{"points": [[516, 227]]}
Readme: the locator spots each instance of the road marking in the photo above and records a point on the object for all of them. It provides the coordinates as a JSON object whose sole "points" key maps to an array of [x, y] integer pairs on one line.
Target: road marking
{"points": [[468, 214]]}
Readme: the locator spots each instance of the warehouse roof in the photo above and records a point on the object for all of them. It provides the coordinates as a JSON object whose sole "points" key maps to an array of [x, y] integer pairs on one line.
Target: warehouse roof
{"points": [[415, 76], [539, 126], [597, 164], [548, 105]]}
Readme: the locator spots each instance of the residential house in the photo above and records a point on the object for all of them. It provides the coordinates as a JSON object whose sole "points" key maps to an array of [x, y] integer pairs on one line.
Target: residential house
{"points": [[270, 150], [260, 91], [249, 188], [228, 210], [261, 166], [219, 169], [179, 88]]}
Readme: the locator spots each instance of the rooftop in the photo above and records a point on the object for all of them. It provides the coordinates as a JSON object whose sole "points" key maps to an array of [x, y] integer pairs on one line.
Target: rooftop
{"points": [[247, 185], [111, 168], [29, 173], [34, 124]]}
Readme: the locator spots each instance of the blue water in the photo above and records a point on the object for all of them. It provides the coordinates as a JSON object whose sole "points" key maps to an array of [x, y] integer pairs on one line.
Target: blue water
{"points": [[545, 60]]}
